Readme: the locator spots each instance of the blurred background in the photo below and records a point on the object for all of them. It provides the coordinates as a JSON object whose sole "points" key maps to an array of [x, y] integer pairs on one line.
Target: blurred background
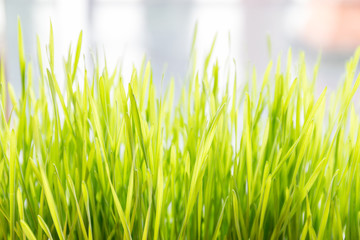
{"points": [[162, 29]]}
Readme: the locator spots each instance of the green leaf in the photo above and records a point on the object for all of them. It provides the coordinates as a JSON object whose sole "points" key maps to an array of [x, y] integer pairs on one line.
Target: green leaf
{"points": [[29, 234], [44, 227], [51, 203], [77, 56], [12, 183], [218, 225], [21, 57]]}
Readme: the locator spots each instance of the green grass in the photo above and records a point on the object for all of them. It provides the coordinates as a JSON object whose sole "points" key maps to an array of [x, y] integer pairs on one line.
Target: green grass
{"points": [[97, 159]]}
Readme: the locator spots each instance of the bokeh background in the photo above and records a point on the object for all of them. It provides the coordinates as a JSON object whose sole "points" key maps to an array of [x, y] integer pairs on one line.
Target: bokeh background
{"points": [[162, 29]]}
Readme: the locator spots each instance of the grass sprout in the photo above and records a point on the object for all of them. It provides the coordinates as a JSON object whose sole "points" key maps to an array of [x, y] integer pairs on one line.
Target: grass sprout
{"points": [[98, 158]]}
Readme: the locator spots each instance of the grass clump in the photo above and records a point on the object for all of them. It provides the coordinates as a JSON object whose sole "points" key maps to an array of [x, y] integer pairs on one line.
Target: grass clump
{"points": [[104, 159]]}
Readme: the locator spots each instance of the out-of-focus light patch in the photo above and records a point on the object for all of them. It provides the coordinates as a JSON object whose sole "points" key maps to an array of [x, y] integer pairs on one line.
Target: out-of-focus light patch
{"points": [[68, 19], [227, 22], [308, 1], [44, 1], [217, 1], [2, 29], [2, 19], [295, 18], [301, 1], [117, 32], [119, 1]]}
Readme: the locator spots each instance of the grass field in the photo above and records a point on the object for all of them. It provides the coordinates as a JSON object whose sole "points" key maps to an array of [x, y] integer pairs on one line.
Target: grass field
{"points": [[261, 158]]}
